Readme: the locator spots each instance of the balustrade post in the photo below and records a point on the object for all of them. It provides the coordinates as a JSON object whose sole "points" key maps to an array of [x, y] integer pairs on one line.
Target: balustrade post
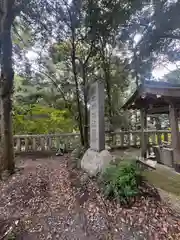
{"points": [[165, 137], [153, 138], [122, 139], [113, 140], [26, 144], [49, 143], [18, 144], [128, 140], [159, 142], [135, 138], [34, 147], [42, 142]]}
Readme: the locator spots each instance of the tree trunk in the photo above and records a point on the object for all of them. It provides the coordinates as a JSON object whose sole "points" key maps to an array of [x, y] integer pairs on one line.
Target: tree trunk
{"points": [[86, 128], [6, 84], [73, 59], [106, 69], [6, 135], [108, 90]]}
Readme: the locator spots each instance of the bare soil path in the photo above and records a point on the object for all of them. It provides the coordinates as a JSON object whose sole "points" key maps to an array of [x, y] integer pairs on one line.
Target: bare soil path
{"points": [[47, 200]]}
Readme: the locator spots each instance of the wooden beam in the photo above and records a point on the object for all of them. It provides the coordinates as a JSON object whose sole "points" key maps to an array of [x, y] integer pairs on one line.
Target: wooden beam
{"points": [[143, 134], [167, 92], [158, 110]]}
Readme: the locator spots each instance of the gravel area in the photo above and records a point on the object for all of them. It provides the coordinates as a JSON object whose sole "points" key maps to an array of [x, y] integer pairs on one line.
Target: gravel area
{"points": [[45, 199]]}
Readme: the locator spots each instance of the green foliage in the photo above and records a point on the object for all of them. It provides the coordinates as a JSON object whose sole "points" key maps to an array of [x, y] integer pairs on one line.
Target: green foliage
{"points": [[38, 119], [121, 182], [11, 236]]}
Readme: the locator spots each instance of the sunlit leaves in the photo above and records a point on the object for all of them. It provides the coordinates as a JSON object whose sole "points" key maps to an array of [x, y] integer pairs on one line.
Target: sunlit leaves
{"points": [[38, 119]]}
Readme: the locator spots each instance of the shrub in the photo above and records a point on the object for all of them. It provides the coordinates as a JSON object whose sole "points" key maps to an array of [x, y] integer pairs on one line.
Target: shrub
{"points": [[11, 236], [121, 182]]}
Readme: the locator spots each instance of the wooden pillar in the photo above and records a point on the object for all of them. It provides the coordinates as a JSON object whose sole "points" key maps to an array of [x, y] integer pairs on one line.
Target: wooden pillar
{"points": [[143, 134], [175, 137], [158, 127]]}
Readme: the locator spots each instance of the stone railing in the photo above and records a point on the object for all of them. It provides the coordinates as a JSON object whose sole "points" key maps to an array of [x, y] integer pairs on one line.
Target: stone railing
{"points": [[51, 142], [45, 143], [158, 137]]}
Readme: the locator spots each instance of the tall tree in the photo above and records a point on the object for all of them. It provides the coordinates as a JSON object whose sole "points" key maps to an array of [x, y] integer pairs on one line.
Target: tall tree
{"points": [[155, 29], [9, 9], [90, 28], [6, 84]]}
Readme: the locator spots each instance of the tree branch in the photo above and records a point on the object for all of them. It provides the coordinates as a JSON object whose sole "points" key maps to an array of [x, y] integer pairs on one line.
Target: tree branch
{"points": [[89, 54], [58, 88]]}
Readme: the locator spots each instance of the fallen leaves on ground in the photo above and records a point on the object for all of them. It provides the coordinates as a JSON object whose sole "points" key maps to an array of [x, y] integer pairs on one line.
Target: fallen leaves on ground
{"points": [[47, 200]]}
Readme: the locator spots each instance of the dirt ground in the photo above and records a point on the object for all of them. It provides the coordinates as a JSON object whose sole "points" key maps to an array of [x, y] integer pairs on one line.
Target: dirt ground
{"points": [[45, 199]]}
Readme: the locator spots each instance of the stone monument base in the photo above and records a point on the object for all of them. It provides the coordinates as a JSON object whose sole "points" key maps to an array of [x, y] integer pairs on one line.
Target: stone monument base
{"points": [[94, 162], [167, 157]]}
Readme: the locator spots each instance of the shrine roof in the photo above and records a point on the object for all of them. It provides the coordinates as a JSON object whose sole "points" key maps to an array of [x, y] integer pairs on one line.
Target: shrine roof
{"points": [[154, 96]]}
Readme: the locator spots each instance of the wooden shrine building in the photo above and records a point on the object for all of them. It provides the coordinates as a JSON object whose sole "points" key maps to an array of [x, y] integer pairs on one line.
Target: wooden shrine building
{"points": [[158, 98]]}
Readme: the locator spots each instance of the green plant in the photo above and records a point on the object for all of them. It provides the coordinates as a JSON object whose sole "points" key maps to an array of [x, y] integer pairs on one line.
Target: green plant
{"points": [[121, 182], [11, 236], [39, 119]]}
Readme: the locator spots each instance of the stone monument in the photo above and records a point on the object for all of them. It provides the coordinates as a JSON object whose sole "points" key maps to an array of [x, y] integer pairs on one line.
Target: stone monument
{"points": [[96, 157]]}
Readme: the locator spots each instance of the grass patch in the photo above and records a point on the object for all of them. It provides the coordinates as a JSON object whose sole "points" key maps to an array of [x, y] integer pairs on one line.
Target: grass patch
{"points": [[164, 179]]}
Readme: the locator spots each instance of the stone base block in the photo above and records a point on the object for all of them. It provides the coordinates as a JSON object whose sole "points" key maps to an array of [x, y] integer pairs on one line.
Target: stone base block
{"points": [[95, 162], [167, 156]]}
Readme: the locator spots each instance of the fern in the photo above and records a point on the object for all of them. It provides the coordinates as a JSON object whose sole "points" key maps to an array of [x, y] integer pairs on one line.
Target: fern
{"points": [[121, 182]]}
